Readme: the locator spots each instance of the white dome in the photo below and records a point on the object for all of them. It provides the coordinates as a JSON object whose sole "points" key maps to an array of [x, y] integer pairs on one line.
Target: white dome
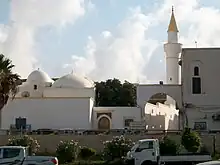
{"points": [[73, 81], [39, 76]]}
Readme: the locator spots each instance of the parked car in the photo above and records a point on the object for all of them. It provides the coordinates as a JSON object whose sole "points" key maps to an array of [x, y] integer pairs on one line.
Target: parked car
{"points": [[18, 155]]}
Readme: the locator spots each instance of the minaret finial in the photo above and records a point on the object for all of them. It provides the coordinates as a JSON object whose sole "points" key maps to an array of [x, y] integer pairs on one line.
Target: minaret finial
{"points": [[172, 26]]}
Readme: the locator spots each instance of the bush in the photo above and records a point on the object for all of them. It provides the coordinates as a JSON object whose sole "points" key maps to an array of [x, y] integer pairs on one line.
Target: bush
{"points": [[66, 151], [169, 147], [191, 140], [86, 153], [26, 141], [117, 147]]}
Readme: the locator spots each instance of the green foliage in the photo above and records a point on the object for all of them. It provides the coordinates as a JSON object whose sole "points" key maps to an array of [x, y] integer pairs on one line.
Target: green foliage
{"points": [[191, 140], [67, 151], [8, 80], [169, 146], [113, 93], [117, 147], [216, 155], [86, 153], [26, 141]]}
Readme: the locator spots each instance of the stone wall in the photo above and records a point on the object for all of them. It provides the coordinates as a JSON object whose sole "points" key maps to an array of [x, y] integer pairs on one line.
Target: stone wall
{"points": [[49, 142]]}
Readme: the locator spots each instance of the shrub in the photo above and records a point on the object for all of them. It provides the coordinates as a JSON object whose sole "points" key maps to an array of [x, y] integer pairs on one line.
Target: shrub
{"points": [[26, 141], [66, 151], [86, 153], [169, 147], [191, 140], [117, 147]]}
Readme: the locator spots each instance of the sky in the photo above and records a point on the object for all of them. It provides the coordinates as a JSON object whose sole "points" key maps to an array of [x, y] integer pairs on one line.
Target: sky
{"points": [[102, 39]]}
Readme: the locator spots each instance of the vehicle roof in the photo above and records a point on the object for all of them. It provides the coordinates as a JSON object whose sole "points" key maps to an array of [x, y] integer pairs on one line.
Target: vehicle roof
{"points": [[145, 140], [216, 162], [12, 147]]}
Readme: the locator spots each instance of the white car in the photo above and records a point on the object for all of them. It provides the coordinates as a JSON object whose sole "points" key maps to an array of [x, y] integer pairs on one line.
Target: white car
{"points": [[18, 155]]}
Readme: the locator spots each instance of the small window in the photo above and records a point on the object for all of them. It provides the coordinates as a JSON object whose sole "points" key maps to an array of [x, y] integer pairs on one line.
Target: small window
{"points": [[196, 85], [127, 122], [11, 152], [196, 71], [152, 111], [35, 87], [147, 145]]}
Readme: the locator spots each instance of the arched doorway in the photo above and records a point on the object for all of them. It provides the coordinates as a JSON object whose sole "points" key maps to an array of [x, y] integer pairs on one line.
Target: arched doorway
{"points": [[161, 113], [104, 123], [145, 92]]}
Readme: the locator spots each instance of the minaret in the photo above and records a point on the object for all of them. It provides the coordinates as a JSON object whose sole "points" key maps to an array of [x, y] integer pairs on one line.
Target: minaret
{"points": [[172, 49]]}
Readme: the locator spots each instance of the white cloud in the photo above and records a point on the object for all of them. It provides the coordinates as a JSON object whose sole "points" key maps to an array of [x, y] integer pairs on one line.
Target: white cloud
{"points": [[118, 55], [125, 54], [27, 16]]}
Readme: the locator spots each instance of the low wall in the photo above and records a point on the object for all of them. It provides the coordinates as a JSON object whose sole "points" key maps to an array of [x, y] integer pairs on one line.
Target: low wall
{"points": [[49, 142]]}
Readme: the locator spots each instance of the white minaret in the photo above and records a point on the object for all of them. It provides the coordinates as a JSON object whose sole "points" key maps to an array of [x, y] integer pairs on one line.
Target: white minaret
{"points": [[172, 49]]}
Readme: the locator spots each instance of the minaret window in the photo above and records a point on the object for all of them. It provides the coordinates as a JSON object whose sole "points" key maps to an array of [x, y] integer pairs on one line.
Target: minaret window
{"points": [[35, 87], [196, 71], [196, 81]]}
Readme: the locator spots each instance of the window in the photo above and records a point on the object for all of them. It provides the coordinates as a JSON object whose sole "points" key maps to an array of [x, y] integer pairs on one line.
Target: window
{"points": [[146, 145], [128, 121], [196, 85], [35, 87], [11, 152], [196, 71], [200, 126]]}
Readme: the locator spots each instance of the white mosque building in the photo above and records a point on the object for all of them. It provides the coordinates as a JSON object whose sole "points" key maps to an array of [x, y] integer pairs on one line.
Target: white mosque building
{"points": [[68, 102]]}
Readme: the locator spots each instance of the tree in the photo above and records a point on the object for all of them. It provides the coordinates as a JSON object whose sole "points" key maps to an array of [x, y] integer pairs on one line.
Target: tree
{"points": [[169, 147], [113, 93], [8, 81], [191, 140]]}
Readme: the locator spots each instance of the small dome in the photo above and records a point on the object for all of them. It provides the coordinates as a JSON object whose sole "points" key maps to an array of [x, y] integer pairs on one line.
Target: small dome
{"points": [[39, 76], [73, 81]]}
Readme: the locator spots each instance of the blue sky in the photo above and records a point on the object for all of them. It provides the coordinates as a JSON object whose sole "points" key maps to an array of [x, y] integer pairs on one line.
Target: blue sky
{"points": [[59, 48]]}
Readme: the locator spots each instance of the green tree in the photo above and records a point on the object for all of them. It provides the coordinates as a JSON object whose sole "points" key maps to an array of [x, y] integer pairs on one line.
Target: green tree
{"points": [[8, 81], [191, 140], [113, 93], [169, 146]]}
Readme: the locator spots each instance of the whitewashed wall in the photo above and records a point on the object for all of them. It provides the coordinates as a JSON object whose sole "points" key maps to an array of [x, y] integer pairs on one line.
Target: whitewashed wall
{"points": [[161, 117], [56, 92], [49, 113], [119, 114], [207, 103]]}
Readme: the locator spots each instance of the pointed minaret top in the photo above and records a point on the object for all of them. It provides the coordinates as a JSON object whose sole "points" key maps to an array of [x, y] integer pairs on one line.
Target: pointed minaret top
{"points": [[172, 26]]}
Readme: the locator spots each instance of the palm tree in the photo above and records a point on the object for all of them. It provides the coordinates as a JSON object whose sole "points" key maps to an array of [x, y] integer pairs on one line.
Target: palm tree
{"points": [[8, 82]]}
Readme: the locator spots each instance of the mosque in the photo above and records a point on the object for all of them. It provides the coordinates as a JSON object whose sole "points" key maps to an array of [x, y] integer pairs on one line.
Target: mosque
{"points": [[193, 99]]}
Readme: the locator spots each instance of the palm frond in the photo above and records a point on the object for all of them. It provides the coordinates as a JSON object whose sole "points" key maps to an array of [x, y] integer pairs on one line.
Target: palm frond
{"points": [[8, 80]]}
